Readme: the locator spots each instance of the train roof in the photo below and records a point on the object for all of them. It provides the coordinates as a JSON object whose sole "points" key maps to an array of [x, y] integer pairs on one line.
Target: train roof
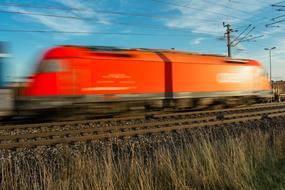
{"points": [[114, 48], [168, 51]]}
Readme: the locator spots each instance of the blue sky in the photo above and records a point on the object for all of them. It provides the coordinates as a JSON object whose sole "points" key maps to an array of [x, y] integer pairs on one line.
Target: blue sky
{"points": [[191, 25]]}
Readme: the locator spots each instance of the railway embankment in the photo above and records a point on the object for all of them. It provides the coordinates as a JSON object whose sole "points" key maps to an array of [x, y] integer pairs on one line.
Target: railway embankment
{"points": [[247, 154]]}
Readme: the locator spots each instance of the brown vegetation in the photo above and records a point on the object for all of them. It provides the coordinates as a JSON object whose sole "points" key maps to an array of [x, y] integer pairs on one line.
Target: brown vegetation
{"points": [[251, 159]]}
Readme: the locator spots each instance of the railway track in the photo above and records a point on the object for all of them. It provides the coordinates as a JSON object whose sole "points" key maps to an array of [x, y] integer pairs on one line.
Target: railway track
{"points": [[37, 119], [44, 134]]}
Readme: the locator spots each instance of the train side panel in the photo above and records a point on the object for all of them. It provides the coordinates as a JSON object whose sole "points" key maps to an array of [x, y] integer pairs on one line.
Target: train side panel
{"points": [[97, 78], [125, 77], [219, 78]]}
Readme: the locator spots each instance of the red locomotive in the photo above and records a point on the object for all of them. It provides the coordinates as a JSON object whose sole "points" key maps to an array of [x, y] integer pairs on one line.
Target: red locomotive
{"points": [[114, 78]]}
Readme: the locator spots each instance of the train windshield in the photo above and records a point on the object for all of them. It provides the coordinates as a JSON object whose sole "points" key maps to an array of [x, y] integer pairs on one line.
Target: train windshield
{"points": [[50, 65]]}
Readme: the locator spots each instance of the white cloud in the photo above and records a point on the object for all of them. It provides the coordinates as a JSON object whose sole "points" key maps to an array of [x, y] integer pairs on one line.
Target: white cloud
{"points": [[196, 41], [200, 15], [86, 9], [82, 9], [53, 23], [62, 24]]}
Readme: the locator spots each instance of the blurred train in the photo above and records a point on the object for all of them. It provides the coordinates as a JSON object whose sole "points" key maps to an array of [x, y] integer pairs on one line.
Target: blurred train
{"points": [[109, 79]]}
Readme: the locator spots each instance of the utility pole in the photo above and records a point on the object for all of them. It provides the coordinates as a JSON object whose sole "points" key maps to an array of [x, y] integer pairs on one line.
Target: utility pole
{"points": [[270, 49], [228, 33]]}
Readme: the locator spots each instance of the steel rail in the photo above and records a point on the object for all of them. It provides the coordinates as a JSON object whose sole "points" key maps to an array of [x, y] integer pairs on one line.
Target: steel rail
{"points": [[256, 106], [121, 131], [93, 124], [142, 117]]}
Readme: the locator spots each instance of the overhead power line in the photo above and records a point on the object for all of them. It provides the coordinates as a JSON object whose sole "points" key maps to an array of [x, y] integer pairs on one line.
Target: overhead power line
{"points": [[103, 12], [240, 34], [81, 18], [91, 32], [39, 14], [278, 17], [278, 4], [27, 5], [99, 22], [187, 5], [228, 7], [194, 8], [280, 9], [275, 19], [240, 27], [239, 2], [93, 10], [276, 22], [244, 37], [252, 39]]}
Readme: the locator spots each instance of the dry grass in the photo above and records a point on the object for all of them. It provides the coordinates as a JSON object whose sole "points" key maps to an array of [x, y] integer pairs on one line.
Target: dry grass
{"points": [[253, 159]]}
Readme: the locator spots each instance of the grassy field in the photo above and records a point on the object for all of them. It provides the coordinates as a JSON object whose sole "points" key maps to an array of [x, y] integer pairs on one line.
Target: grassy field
{"points": [[250, 156]]}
